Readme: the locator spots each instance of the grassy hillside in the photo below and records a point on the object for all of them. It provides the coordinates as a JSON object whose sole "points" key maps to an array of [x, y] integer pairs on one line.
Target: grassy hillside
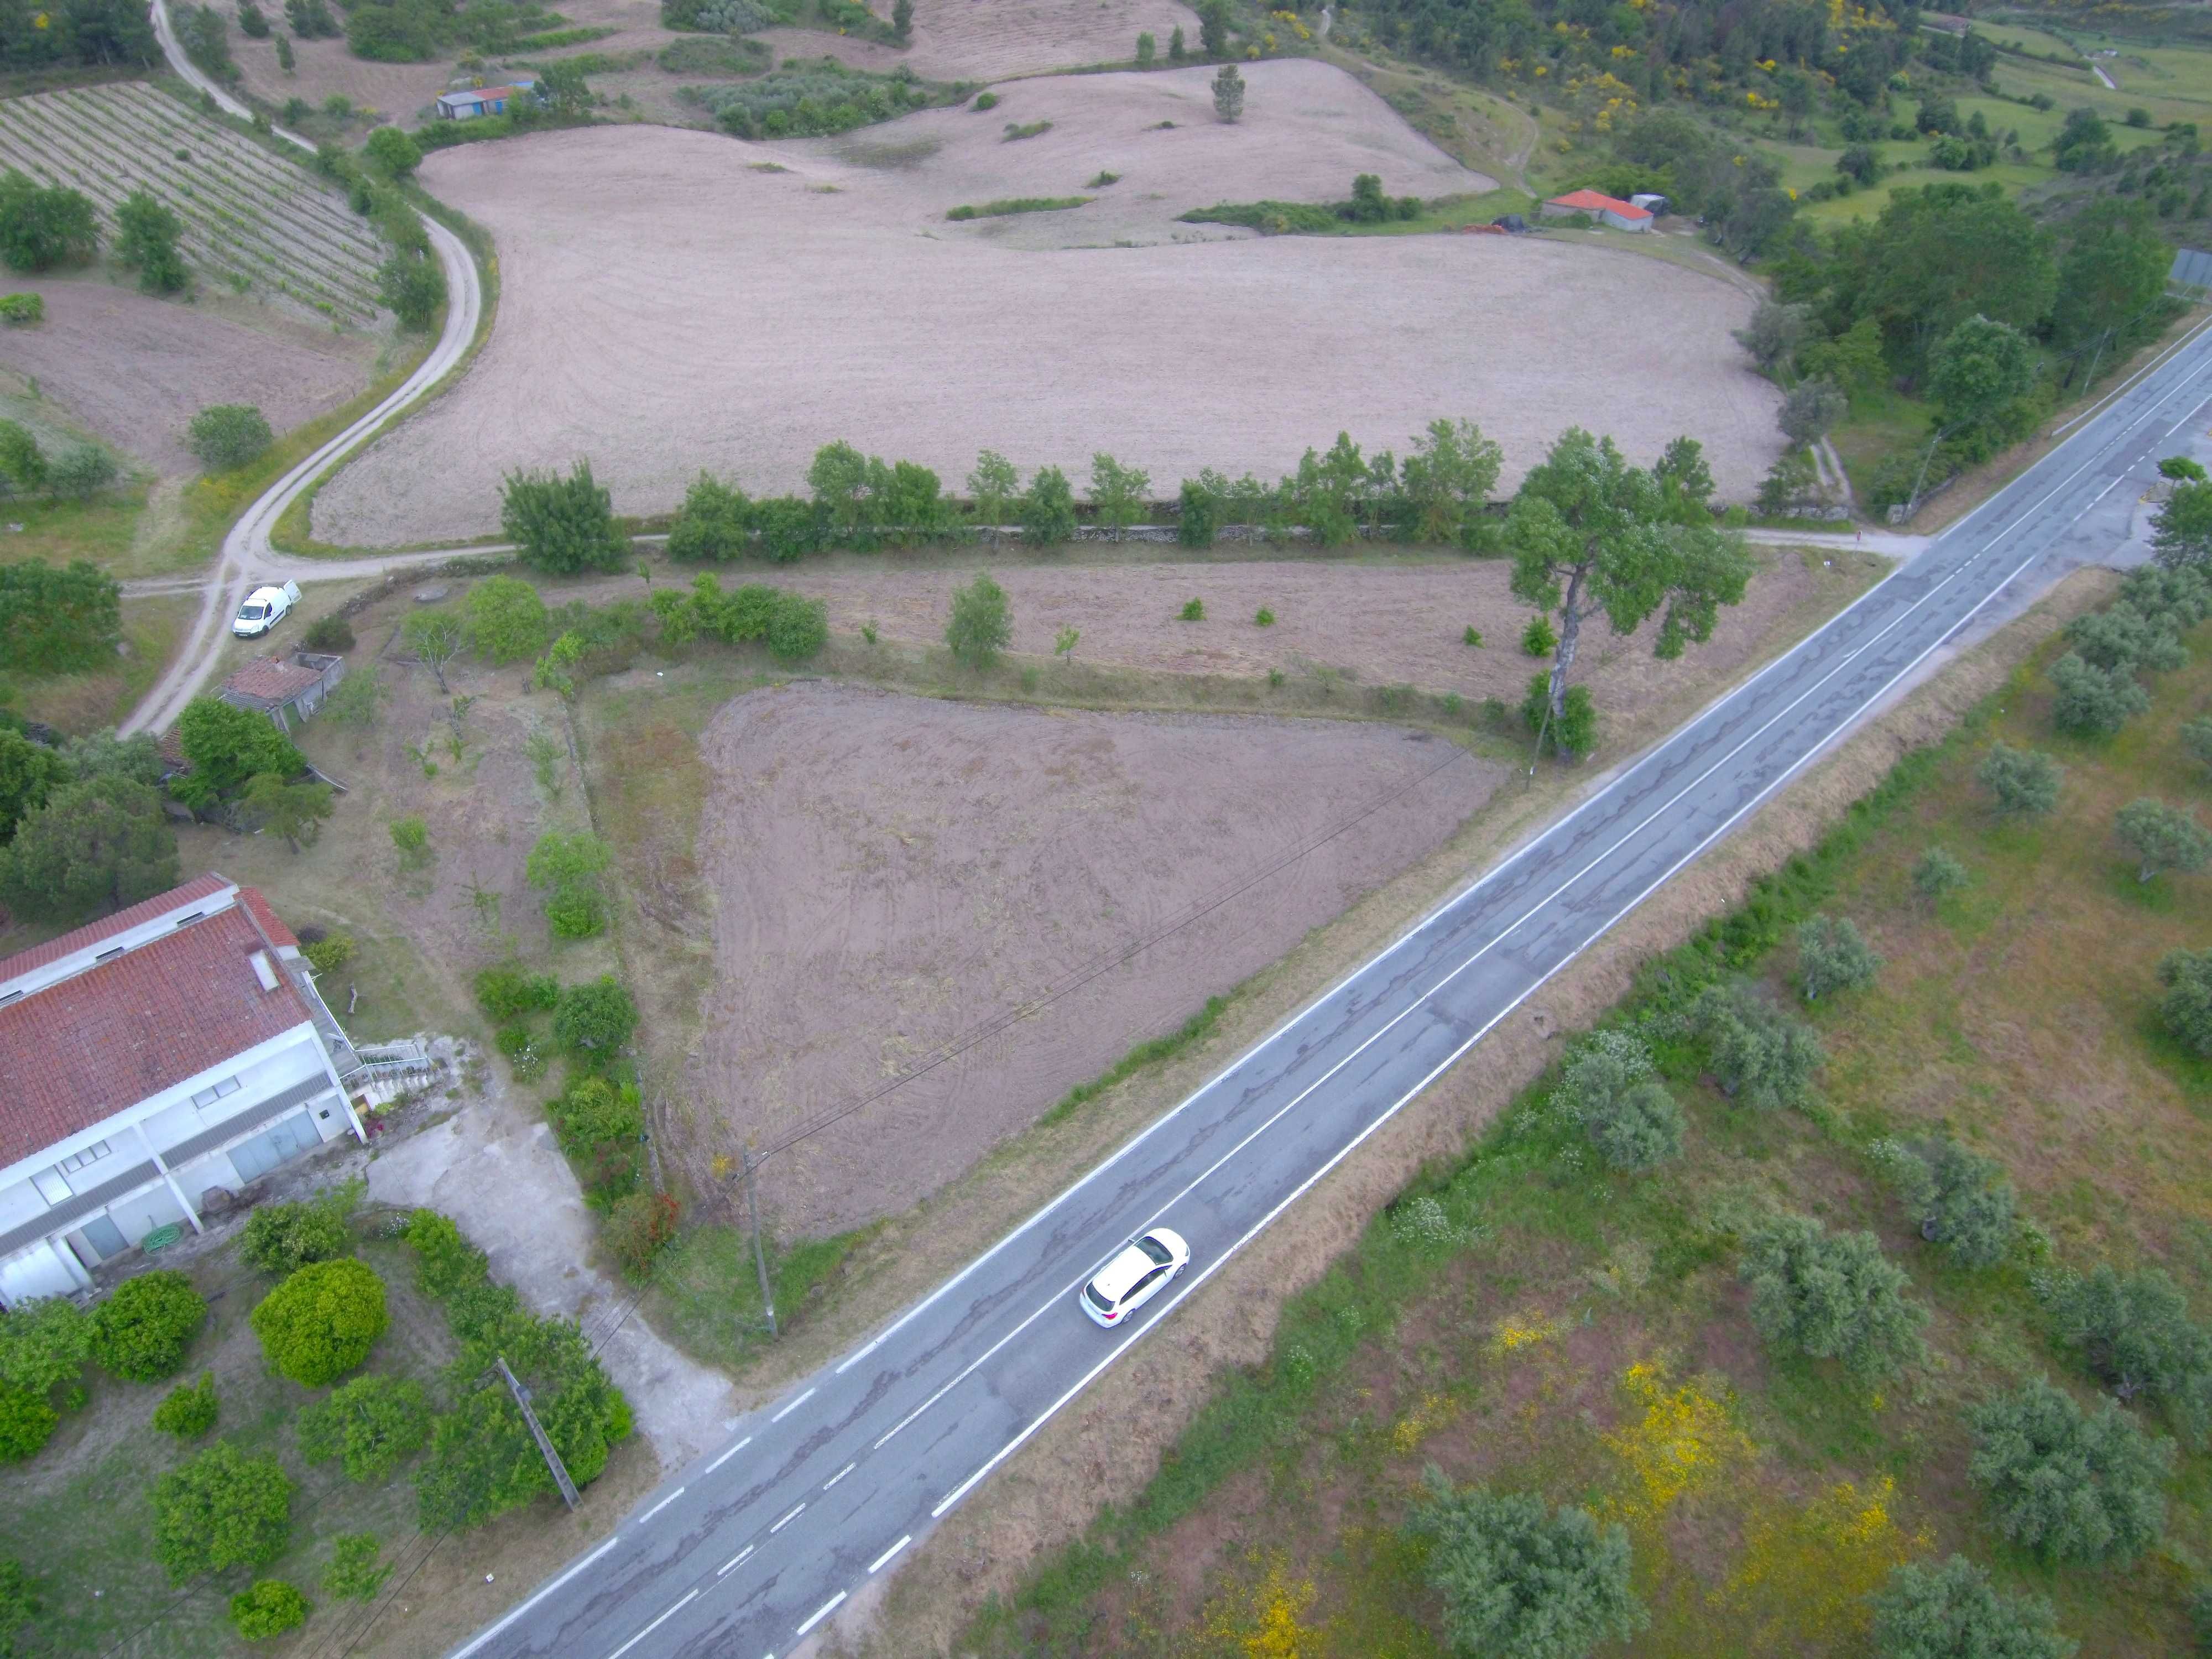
{"points": [[1526, 1319]]}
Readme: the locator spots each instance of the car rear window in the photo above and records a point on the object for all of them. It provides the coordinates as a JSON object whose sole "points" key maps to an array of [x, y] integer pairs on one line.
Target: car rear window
{"points": [[1096, 1300], [1152, 1247]]}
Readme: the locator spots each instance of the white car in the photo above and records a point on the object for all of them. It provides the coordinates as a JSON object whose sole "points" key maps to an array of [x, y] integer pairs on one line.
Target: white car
{"points": [[263, 608], [1134, 1276]]}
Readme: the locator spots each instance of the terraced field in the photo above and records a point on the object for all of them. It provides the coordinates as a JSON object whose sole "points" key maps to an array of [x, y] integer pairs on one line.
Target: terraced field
{"points": [[250, 218]]}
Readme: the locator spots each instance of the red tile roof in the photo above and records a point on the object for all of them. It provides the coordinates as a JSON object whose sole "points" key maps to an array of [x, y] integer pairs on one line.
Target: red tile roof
{"points": [[122, 921], [1591, 200], [80, 1050], [271, 680]]}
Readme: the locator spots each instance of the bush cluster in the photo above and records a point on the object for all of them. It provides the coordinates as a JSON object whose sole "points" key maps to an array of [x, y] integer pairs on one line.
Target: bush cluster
{"points": [[1831, 1295], [282, 1238], [141, 1332], [321, 1321], [370, 1425], [813, 99], [1612, 1089]]}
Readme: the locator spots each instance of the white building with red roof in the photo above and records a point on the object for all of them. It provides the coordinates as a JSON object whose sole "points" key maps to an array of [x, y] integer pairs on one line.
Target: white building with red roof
{"points": [[177, 1048], [1606, 210]]}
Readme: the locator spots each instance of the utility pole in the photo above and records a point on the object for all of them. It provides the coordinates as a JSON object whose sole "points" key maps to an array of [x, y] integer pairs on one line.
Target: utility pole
{"points": [[537, 1433], [760, 1260]]}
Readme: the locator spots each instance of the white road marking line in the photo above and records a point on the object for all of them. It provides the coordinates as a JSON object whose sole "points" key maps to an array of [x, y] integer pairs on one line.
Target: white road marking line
{"points": [[876, 1566], [521, 1608], [792, 1407], [821, 1613], [839, 1475], [654, 1625], [662, 1504], [786, 1522], [967, 1486], [728, 1454], [734, 1560]]}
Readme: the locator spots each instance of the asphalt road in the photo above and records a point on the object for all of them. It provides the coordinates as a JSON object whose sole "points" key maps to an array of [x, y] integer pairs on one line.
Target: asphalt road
{"points": [[760, 1544]]}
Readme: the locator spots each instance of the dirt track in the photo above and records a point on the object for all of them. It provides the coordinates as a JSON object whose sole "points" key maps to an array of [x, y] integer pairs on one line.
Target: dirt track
{"points": [[891, 873], [665, 307]]}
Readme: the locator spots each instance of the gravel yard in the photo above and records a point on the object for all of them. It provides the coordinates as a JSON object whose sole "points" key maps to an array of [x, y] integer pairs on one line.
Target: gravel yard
{"points": [[667, 306]]}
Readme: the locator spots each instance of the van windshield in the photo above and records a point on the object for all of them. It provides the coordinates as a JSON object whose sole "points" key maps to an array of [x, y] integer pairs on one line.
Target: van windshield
{"points": [[252, 612]]}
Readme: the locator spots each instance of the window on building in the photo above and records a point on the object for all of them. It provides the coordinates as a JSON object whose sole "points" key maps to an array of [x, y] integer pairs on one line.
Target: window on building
{"points": [[209, 1096], [78, 1159]]}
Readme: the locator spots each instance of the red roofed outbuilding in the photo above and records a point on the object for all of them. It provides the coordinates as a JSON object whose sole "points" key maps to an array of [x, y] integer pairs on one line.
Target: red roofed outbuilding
{"points": [[174, 1048], [1606, 210]]}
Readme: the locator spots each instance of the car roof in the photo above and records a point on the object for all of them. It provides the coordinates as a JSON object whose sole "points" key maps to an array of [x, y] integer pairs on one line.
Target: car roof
{"points": [[1115, 1277], [265, 596]]}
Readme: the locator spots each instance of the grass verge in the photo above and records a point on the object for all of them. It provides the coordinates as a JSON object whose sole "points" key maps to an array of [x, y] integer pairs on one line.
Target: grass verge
{"points": [[1013, 204]]}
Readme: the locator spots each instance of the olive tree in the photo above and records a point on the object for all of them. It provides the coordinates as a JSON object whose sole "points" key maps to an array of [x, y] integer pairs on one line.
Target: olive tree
{"points": [[1958, 1198], [2024, 780], [981, 623], [1521, 1580], [2120, 639], [1611, 1089], [2135, 1336], [2161, 837], [2093, 701], [228, 435], [1832, 955], [2186, 1010], [2068, 1484], [1776, 331], [1762, 1055], [1809, 408], [1950, 1610], [1939, 872], [1831, 1295], [220, 1510]]}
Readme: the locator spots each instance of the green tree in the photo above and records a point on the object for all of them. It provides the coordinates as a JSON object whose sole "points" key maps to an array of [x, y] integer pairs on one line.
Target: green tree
{"points": [[506, 619], [1950, 1610], [1762, 1055], [1117, 492], [2162, 837], [982, 626], [412, 288], [1197, 514], [2120, 638], [95, 846], [593, 1020], [841, 478], [57, 618], [2065, 1484], [228, 747], [44, 1345], [993, 489], [19, 1606], [220, 1510], [1809, 409], [188, 1410], [1976, 371], [227, 436], [28, 773], [903, 20], [562, 526], [354, 1574], [26, 1423], [82, 472], [22, 463], [1522, 1581], [436, 636], [1176, 50], [372, 1425], [391, 149], [321, 1322], [2084, 144], [1832, 955], [2135, 1336], [1611, 1087], [285, 59], [2111, 282], [1939, 872], [715, 521], [294, 810], [2186, 1010], [267, 1608], [1444, 487], [1213, 27], [41, 228], [2196, 737], [1958, 1198], [1587, 533], [1228, 95], [2181, 528], [2024, 780], [146, 242], [1831, 1295], [1775, 332], [283, 1238], [1853, 359], [1047, 509], [1943, 253]]}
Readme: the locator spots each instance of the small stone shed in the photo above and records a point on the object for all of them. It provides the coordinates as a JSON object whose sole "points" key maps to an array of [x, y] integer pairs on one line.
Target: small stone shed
{"points": [[284, 689]]}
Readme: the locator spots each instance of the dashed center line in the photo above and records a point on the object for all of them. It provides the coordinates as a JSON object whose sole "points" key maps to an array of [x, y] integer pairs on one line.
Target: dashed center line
{"points": [[734, 1560], [786, 1520], [839, 1475], [662, 1504], [792, 1407], [876, 1566], [728, 1454], [819, 1614], [655, 1625]]}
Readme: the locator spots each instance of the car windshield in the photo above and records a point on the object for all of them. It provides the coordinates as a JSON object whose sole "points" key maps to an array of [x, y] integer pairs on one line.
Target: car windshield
{"points": [[1096, 1300], [251, 613], [1152, 1247]]}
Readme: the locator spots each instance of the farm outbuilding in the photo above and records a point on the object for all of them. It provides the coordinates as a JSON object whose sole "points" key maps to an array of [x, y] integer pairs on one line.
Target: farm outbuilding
{"points": [[472, 101], [1606, 210], [282, 689]]}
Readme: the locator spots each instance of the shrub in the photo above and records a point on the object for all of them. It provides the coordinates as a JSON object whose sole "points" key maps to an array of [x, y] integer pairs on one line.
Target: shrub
{"points": [[1473, 636], [353, 1574], [1831, 1295], [569, 867], [562, 526], [43, 1344], [1198, 514], [985, 101], [1228, 95], [1263, 617], [575, 913], [392, 150], [2121, 639], [322, 1322], [26, 1423], [371, 1424], [1832, 957], [22, 310], [268, 1607], [220, 1510], [507, 992], [19, 1605], [1193, 610], [412, 288], [1522, 1581], [1957, 1198], [1951, 1610], [1575, 731], [2161, 837], [2066, 1485], [1939, 872], [593, 1020], [42, 228], [190, 1409], [1609, 1086], [1046, 511], [411, 838], [2022, 780], [445, 1262], [283, 1238], [638, 1229], [506, 619], [82, 473], [2091, 701], [981, 623], [2186, 1010], [1537, 639], [798, 628], [329, 633], [2135, 1337], [227, 436], [141, 1332], [1762, 1055], [592, 1111]]}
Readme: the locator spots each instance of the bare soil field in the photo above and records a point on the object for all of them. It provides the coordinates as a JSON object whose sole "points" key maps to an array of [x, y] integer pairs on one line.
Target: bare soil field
{"points": [[406, 91], [641, 266], [134, 370], [1373, 624], [891, 874]]}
